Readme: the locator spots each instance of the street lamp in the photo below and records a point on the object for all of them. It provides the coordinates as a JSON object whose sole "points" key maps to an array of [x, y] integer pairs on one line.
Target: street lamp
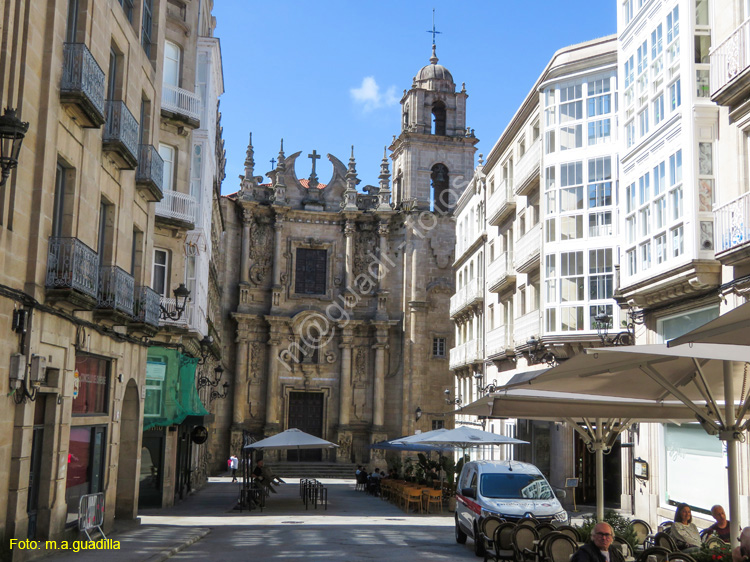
{"points": [[626, 336], [489, 387], [204, 381], [205, 344], [181, 295], [12, 132], [219, 395], [448, 400], [537, 353], [417, 414]]}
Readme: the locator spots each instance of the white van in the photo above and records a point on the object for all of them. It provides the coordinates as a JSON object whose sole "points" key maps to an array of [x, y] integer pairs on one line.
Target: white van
{"points": [[511, 490]]}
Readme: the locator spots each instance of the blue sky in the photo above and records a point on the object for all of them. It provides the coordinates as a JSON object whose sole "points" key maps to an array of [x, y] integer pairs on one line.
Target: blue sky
{"points": [[329, 74]]}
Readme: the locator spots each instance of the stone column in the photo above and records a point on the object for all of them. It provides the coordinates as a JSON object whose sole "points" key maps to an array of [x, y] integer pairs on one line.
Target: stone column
{"points": [[240, 378], [272, 380], [381, 342], [345, 388], [247, 216]]}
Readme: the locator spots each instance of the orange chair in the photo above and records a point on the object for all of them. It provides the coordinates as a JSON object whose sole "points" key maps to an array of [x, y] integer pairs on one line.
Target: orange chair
{"points": [[433, 497], [412, 496]]}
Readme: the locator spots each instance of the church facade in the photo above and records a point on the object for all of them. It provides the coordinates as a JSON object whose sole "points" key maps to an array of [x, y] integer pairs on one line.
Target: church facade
{"points": [[340, 294]]}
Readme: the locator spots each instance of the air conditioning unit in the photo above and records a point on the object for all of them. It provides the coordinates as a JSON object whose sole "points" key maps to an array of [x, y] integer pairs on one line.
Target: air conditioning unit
{"points": [[38, 372]]}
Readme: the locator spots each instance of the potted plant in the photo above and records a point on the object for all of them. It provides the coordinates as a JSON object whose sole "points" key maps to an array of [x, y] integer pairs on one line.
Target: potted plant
{"points": [[451, 469]]}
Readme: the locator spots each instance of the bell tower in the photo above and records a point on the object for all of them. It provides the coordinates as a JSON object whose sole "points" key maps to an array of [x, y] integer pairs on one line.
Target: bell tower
{"points": [[433, 157]]}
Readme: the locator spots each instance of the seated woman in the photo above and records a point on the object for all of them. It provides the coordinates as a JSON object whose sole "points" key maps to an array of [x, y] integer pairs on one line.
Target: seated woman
{"points": [[683, 530]]}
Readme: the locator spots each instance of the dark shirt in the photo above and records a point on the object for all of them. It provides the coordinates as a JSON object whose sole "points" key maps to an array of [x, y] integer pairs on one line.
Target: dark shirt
{"points": [[589, 552], [257, 472], [723, 534]]}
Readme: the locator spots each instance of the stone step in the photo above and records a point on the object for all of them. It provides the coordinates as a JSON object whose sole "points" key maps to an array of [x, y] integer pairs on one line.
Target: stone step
{"points": [[314, 469]]}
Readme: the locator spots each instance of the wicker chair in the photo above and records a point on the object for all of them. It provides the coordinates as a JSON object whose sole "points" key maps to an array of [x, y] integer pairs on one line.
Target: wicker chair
{"points": [[502, 542], [659, 553], [559, 548], [663, 540], [544, 529], [571, 531], [523, 542], [627, 550], [641, 529], [487, 531], [675, 556]]}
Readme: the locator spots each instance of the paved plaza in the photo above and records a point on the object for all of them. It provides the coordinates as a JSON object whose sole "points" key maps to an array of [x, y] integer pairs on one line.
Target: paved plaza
{"points": [[356, 526]]}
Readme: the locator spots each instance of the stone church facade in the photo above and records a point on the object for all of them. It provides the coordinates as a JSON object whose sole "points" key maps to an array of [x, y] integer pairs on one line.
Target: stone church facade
{"points": [[340, 295]]}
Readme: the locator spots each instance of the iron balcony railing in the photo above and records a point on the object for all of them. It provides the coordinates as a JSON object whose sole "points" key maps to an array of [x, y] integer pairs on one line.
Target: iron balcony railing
{"points": [[150, 167], [178, 206], [121, 131], [147, 306], [116, 289], [71, 264], [731, 223], [83, 81], [181, 101], [730, 57], [187, 318]]}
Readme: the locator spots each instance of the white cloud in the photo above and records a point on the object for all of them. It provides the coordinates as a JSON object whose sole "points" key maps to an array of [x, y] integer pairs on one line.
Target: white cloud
{"points": [[368, 95]]}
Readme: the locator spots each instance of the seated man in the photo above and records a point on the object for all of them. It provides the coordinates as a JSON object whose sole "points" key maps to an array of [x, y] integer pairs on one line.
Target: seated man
{"points": [[264, 477], [721, 527], [600, 549]]}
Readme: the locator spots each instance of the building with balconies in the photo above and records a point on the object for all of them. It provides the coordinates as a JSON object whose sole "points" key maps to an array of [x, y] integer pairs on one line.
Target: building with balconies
{"points": [[550, 187], [77, 280], [191, 149], [467, 304]]}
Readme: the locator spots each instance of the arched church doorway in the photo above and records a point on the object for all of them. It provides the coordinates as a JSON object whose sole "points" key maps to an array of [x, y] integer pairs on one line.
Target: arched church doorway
{"points": [[127, 465]]}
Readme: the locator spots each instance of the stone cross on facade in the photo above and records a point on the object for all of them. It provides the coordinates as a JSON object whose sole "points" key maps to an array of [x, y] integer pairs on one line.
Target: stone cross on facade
{"points": [[273, 163], [313, 176]]}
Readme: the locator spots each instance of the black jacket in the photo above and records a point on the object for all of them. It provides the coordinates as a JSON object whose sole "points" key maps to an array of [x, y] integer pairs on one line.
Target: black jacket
{"points": [[590, 553]]}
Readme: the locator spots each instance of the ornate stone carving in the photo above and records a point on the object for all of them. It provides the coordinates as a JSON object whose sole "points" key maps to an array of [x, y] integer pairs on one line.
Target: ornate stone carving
{"points": [[257, 361], [360, 367], [365, 245], [330, 356], [443, 252], [261, 246]]}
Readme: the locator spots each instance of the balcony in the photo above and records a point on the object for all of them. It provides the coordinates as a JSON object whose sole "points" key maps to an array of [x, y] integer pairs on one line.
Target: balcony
{"points": [[497, 342], [72, 272], [181, 105], [466, 354], [147, 309], [186, 321], [120, 138], [528, 248], [82, 86], [527, 170], [149, 175], [501, 203], [729, 68], [467, 296], [500, 273], [178, 208], [116, 290], [526, 326], [732, 231]]}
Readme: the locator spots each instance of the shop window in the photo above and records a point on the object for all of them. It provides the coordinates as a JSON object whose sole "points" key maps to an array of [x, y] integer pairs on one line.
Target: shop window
{"points": [[85, 474], [92, 382]]}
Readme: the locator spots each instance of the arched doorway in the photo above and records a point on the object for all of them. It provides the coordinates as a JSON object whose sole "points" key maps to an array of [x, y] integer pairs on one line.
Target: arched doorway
{"points": [[127, 465]]}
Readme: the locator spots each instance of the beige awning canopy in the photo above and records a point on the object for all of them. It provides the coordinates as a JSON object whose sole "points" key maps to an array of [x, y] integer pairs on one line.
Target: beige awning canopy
{"points": [[732, 327], [533, 404], [707, 378]]}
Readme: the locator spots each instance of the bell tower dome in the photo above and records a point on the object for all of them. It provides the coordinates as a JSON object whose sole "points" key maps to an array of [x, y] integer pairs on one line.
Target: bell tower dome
{"points": [[433, 156]]}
